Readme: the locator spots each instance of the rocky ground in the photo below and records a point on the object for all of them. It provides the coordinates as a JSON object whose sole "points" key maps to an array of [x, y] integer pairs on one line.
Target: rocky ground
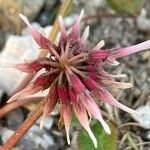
{"points": [[116, 30]]}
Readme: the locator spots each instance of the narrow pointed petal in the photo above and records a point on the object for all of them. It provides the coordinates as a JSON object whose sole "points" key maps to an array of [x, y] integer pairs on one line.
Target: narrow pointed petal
{"points": [[121, 52], [118, 85], [106, 74], [29, 67], [67, 116], [62, 26], [92, 107], [42, 121], [51, 100], [112, 62], [74, 34], [85, 34], [24, 67], [29, 90], [77, 24], [99, 45], [41, 40], [106, 97], [83, 119], [63, 36], [76, 43]]}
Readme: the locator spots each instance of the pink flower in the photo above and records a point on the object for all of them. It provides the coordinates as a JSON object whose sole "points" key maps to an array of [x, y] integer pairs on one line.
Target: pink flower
{"points": [[75, 76]]}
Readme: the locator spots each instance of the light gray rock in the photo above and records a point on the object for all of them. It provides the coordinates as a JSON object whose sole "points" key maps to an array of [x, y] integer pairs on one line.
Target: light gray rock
{"points": [[49, 121], [5, 133], [18, 49], [92, 6], [36, 139], [143, 116], [143, 23], [32, 8], [15, 118]]}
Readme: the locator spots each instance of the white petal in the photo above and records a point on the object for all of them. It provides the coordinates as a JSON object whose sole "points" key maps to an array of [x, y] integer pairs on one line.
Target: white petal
{"points": [[85, 33]]}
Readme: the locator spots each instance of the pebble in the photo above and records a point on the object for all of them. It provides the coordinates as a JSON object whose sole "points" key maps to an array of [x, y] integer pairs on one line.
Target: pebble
{"points": [[49, 121], [32, 8], [43, 18], [91, 7], [15, 118], [18, 49], [143, 23], [5, 133], [36, 139], [143, 116]]}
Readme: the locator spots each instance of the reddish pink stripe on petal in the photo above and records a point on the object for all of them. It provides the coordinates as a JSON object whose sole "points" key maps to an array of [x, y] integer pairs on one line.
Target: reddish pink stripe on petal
{"points": [[91, 84], [72, 94], [99, 54], [41, 80], [77, 83], [83, 119], [63, 94]]}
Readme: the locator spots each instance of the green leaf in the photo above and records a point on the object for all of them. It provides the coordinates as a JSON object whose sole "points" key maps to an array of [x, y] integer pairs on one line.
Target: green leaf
{"points": [[132, 7], [75, 121], [104, 141]]}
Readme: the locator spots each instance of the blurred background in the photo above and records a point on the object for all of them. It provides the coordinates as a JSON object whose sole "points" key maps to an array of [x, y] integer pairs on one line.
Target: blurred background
{"points": [[119, 23]]}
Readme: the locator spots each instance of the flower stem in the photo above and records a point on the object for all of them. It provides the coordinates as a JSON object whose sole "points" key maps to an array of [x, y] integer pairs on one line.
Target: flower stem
{"points": [[23, 128], [15, 104]]}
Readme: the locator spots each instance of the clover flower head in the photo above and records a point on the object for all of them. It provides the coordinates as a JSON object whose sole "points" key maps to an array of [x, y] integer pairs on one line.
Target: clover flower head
{"points": [[75, 75]]}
